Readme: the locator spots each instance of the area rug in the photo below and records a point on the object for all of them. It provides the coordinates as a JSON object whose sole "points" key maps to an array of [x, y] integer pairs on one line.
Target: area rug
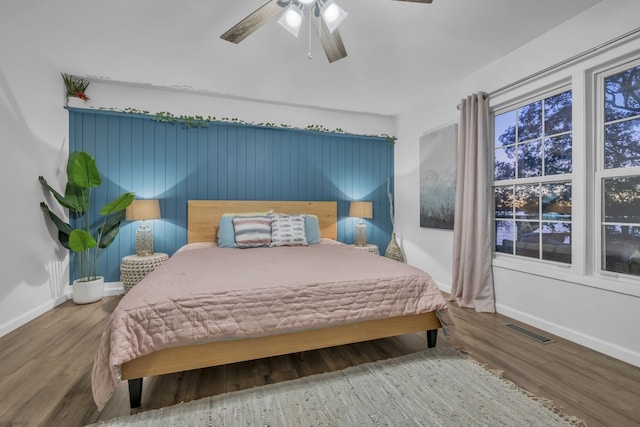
{"points": [[435, 387]]}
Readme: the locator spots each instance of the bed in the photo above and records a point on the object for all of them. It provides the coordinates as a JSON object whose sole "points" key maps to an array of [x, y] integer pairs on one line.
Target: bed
{"points": [[209, 305]]}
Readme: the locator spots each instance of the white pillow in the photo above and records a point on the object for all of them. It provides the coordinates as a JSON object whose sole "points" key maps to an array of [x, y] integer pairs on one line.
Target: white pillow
{"points": [[288, 230]]}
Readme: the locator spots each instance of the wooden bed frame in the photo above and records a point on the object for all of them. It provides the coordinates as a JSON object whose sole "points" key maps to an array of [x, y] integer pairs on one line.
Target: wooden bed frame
{"points": [[203, 218]]}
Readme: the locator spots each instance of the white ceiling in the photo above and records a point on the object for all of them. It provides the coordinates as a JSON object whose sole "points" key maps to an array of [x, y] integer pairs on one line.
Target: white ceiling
{"points": [[397, 51]]}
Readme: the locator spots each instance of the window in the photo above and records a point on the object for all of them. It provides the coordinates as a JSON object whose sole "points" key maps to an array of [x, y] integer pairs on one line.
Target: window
{"points": [[618, 170], [532, 187], [566, 185]]}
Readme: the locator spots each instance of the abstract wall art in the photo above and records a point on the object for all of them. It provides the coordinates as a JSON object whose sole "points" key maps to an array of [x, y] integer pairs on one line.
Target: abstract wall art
{"points": [[438, 177]]}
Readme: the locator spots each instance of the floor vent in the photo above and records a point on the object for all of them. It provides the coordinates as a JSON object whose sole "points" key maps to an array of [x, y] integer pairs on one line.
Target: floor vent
{"points": [[530, 334]]}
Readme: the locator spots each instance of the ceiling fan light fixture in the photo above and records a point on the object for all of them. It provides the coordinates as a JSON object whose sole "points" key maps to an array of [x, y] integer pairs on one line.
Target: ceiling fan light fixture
{"points": [[332, 14], [291, 20]]}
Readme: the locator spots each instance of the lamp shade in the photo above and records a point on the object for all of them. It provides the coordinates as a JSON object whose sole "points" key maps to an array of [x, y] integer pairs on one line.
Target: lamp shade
{"points": [[143, 210], [361, 209]]}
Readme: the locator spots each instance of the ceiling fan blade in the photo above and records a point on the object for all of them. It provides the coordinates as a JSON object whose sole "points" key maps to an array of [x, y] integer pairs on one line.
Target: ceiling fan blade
{"points": [[418, 1], [331, 42], [251, 23]]}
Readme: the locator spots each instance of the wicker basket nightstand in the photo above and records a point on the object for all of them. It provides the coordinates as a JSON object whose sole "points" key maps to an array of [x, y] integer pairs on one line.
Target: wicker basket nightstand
{"points": [[134, 267]]}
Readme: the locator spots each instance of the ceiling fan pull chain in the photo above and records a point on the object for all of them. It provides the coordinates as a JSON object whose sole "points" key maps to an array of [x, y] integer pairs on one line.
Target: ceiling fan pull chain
{"points": [[309, 52]]}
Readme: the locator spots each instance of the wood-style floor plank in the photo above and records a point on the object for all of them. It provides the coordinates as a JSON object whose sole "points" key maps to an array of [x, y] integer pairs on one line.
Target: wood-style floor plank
{"points": [[45, 369]]}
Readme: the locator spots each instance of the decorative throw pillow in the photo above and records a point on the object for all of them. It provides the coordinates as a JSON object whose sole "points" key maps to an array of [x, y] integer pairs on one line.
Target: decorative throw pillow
{"points": [[288, 230], [311, 228], [252, 231], [226, 234]]}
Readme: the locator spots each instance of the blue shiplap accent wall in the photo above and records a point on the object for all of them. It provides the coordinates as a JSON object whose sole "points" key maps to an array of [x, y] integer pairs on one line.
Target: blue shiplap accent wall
{"points": [[229, 162]]}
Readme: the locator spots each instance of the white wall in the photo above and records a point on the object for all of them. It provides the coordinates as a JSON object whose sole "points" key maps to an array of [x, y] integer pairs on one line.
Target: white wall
{"points": [[34, 129], [603, 320]]}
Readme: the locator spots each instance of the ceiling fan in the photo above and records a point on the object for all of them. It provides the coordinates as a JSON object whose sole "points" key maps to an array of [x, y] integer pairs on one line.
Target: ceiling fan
{"points": [[325, 14]]}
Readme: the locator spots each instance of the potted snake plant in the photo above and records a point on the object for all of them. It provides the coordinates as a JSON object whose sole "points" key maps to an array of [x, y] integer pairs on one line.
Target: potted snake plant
{"points": [[86, 242], [76, 88]]}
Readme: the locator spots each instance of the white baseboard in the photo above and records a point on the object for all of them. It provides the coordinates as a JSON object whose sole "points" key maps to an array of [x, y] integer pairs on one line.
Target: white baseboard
{"points": [[110, 289], [25, 318], [113, 288], [444, 287], [588, 341]]}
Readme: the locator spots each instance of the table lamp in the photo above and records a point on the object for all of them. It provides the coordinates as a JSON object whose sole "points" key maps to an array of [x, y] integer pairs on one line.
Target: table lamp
{"points": [[143, 210], [361, 210]]}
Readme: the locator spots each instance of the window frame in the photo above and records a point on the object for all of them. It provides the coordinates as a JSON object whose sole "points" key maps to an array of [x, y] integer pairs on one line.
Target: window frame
{"points": [[600, 173], [541, 180], [581, 77]]}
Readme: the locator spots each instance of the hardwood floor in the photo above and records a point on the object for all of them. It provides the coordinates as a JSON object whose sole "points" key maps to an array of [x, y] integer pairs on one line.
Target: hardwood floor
{"points": [[45, 369]]}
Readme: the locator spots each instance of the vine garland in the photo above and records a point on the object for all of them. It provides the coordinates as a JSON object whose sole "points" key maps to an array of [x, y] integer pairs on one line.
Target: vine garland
{"points": [[203, 122]]}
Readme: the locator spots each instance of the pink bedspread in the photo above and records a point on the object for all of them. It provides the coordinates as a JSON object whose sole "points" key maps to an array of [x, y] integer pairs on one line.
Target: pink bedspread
{"points": [[204, 293]]}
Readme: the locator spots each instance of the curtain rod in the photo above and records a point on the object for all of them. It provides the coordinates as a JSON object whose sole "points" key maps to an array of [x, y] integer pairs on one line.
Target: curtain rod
{"points": [[565, 62]]}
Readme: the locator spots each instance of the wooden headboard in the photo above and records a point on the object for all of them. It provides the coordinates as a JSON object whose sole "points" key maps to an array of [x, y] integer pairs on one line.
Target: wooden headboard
{"points": [[204, 215]]}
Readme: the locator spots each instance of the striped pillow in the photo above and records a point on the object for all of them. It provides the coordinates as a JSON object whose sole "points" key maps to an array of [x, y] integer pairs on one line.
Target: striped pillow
{"points": [[226, 235], [288, 230], [252, 231]]}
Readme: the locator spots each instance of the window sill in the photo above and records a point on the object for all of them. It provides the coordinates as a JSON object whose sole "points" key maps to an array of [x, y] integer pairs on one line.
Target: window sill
{"points": [[607, 281]]}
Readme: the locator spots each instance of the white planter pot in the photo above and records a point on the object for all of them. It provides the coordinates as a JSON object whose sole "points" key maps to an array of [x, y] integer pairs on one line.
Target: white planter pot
{"points": [[75, 102], [87, 292]]}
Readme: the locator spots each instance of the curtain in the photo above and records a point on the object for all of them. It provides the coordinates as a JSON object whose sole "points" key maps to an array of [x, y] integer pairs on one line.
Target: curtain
{"points": [[472, 285]]}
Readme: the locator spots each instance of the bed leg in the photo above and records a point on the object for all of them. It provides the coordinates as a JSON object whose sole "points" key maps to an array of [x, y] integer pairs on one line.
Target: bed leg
{"points": [[432, 336], [135, 392]]}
